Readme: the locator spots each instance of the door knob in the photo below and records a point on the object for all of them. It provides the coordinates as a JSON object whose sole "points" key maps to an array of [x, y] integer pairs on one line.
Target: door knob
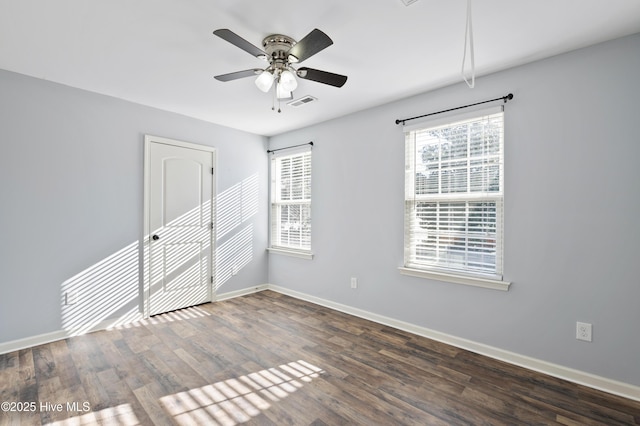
{"points": [[155, 237]]}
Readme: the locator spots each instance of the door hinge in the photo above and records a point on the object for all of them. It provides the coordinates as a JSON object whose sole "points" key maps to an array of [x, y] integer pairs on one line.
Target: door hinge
{"points": [[211, 280], [213, 171], [212, 225]]}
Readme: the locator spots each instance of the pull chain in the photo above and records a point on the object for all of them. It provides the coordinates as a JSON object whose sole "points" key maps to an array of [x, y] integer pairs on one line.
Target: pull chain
{"points": [[468, 38], [273, 99], [275, 96]]}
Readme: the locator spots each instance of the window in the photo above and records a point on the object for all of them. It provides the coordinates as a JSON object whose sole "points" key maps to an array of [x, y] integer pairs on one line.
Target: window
{"points": [[454, 197], [291, 203]]}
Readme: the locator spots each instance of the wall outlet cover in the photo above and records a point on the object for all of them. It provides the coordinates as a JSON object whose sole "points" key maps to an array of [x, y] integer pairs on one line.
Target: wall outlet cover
{"points": [[583, 331]]}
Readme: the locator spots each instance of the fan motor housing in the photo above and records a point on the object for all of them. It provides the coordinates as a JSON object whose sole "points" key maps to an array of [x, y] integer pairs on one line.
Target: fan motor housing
{"points": [[277, 45]]}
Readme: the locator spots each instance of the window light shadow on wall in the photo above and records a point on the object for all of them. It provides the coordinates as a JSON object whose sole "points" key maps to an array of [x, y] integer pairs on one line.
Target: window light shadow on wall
{"points": [[233, 255], [236, 401], [107, 294], [234, 206], [107, 289]]}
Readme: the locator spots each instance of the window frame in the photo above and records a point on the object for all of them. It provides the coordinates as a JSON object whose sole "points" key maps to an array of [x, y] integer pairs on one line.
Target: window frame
{"points": [[437, 271], [276, 245]]}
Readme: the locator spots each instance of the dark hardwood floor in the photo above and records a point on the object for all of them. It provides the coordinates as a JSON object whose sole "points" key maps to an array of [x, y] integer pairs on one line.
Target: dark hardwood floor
{"points": [[270, 359]]}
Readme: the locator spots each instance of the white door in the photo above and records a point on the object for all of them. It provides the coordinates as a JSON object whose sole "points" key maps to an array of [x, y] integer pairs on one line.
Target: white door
{"points": [[179, 194]]}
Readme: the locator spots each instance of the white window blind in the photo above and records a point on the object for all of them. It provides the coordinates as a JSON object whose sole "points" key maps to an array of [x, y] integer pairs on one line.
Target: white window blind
{"points": [[454, 179], [291, 201]]}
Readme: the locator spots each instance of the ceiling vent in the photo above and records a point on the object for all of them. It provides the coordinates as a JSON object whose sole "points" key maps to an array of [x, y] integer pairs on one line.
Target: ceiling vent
{"points": [[303, 100], [408, 2]]}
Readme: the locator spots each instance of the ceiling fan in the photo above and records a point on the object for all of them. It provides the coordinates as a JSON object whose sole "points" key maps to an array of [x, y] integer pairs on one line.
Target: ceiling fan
{"points": [[282, 52]]}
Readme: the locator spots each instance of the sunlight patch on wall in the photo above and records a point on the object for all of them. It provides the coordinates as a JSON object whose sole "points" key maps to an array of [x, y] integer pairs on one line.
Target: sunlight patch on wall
{"points": [[234, 401], [233, 255], [234, 246], [108, 289], [249, 197], [236, 204], [107, 294]]}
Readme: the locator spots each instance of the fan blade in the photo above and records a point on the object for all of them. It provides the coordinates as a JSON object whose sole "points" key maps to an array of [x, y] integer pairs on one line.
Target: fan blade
{"points": [[238, 74], [311, 44], [325, 77], [238, 41]]}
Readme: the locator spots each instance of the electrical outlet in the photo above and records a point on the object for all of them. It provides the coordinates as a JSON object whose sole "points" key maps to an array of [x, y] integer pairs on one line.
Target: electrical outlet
{"points": [[583, 331], [354, 282]]}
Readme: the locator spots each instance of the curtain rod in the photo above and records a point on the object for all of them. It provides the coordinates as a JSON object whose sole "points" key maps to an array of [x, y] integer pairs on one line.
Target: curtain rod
{"points": [[287, 147], [504, 98]]}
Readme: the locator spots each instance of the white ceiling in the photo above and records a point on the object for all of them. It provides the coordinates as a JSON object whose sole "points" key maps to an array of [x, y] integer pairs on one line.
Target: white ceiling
{"points": [[162, 53]]}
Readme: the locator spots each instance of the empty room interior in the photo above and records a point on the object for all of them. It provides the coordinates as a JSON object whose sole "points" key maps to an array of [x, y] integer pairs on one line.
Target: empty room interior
{"points": [[368, 212]]}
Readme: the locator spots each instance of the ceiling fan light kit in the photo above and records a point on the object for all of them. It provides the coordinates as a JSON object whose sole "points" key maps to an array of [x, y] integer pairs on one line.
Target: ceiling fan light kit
{"points": [[282, 94], [264, 81], [288, 81], [281, 52]]}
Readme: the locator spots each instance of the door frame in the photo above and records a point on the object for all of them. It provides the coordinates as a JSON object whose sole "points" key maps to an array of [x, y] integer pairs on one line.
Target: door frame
{"points": [[149, 140]]}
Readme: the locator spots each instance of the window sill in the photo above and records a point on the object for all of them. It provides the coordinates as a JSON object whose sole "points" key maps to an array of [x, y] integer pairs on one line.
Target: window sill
{"points": [[293, 253], [457, 279]]}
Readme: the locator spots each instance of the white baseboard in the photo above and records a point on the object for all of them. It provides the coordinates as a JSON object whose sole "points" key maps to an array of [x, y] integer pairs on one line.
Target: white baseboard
{"points": [[576, 376], [580, 377], [29, 342], [41, 339], [238, 293]]}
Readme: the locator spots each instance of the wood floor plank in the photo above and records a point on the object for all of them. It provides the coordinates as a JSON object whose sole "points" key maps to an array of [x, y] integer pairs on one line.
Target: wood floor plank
{"points": [[148, 397], [43, 362], [400, 411], [130, 366], [9, 376], [269, 359], [65, 367]]}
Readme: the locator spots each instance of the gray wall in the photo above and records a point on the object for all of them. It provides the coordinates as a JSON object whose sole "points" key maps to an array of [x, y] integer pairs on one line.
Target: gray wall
{"points": [[71, 209], [71, 202], [572, 206]]}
